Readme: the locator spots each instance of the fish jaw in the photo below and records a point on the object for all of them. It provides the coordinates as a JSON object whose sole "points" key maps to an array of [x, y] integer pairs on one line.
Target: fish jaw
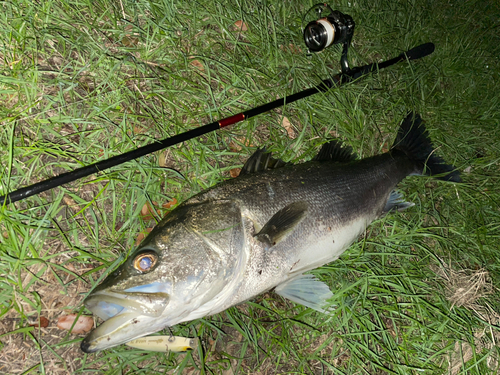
{"points": [[127, 324], [123, 313], [118, 330], [107, 304]]}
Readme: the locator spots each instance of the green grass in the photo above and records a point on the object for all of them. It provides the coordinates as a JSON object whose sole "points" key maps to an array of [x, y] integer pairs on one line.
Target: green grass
{"points": [[81, 81]]}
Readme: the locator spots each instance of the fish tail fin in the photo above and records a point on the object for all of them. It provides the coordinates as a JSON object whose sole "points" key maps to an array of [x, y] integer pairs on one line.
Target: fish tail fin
{"points": [[413, 140]]}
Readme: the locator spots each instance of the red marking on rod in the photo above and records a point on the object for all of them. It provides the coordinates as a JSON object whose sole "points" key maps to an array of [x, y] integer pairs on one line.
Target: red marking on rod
{"points": [[231, 120]]}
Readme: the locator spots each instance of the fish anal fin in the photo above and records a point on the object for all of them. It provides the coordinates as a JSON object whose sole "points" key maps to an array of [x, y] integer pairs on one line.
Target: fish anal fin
{"points": [[306, 290], [334, 151], [396, 202], [261, 160], [282, 223]]}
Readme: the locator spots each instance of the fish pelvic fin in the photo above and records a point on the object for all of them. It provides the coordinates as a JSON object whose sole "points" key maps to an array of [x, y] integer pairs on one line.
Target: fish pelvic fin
{"points": [[282, 223], [261, 160], [307, 290], [396, 202], [413, 140], [334, 151]]}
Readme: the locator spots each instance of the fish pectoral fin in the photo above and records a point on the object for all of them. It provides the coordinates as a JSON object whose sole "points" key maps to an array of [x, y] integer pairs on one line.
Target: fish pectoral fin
{"points": [[307, 290], [395, 202], [282, 223]]}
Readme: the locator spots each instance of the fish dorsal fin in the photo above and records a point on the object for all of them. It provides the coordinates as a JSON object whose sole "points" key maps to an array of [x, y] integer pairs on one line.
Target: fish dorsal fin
{"points": [[261, 160], [334, 151], [282, 223], [308, 291]]}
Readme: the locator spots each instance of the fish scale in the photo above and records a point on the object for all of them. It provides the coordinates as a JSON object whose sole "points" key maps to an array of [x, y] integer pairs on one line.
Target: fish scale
{"points": [[259, 231]]}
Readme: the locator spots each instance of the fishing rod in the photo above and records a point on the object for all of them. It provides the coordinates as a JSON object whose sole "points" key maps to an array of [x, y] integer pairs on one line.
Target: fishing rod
{"points": [[334, 28], [336, 81]]}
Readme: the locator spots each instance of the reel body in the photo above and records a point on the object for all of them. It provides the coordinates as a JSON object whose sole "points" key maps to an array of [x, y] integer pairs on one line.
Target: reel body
{"points": [[326, 28]]}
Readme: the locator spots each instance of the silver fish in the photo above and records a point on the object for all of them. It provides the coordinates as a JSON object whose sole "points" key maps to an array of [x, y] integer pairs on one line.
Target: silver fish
{"points": [[264, 229]]}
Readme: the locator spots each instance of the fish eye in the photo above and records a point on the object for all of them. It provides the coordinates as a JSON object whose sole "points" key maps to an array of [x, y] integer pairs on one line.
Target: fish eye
{"points": [[144, 262]]}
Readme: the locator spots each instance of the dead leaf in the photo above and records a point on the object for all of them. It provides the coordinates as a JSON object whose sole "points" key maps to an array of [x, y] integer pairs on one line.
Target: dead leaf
{"points": [[41, 322], [235, 172], [147, 212], [290, 131], [240, 25], [197, 64], [82, 325], [141, 236], [168, 205]]}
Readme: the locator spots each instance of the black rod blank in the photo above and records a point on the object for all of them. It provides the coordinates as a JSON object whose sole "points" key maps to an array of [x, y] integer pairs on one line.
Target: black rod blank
{"points": [[336, 81]]}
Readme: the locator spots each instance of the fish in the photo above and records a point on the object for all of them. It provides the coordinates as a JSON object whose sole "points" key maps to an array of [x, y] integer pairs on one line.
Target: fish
{"points": [[263, 230]]}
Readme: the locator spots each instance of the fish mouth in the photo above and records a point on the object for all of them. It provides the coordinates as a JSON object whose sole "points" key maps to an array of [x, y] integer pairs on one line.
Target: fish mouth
{"points": [[127, 315]]}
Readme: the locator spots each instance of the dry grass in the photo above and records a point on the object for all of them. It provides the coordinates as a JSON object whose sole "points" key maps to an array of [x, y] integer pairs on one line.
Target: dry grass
{"points": [[470, 289], [54, 293]]}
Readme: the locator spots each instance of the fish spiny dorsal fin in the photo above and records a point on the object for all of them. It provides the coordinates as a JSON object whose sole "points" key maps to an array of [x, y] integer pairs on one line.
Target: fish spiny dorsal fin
{"points": [[261, 160], [282, 223], [334, 151]]}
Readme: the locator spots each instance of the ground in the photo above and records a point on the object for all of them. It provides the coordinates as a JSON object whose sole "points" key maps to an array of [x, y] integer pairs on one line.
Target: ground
{"points": [[81, 82]]}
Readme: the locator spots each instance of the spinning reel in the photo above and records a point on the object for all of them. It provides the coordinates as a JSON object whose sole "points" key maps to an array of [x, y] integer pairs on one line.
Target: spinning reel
{"points": [[328, 27]]}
